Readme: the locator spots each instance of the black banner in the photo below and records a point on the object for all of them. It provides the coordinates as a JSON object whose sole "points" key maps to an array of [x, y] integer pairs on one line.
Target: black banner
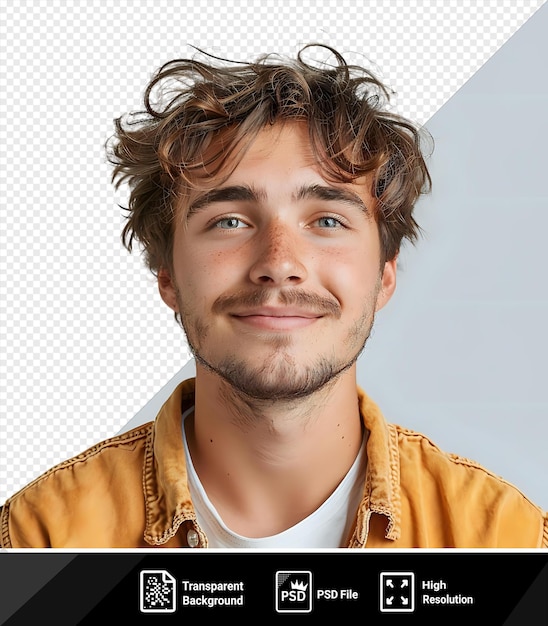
{"points": [[157, 586]]}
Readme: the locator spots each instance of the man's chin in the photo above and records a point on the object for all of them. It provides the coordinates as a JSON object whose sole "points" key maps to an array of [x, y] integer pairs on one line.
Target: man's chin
{"points": [[276, 381]]}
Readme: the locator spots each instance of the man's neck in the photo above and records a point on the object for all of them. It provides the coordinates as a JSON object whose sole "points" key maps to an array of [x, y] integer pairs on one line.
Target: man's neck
{"points": [[266, 465]]}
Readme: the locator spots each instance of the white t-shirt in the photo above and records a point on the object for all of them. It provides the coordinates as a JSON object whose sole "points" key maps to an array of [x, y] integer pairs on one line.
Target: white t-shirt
{"points": [[327, 527]]}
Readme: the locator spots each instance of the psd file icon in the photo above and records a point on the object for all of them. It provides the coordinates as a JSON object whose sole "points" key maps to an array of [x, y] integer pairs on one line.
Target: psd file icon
{"points": [[293, 591], [157, 591]]}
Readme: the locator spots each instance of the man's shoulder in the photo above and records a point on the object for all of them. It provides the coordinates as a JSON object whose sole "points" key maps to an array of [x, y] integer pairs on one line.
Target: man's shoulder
{"points": [[421, 451], [450, 485], [106, 451], [87, 481]]}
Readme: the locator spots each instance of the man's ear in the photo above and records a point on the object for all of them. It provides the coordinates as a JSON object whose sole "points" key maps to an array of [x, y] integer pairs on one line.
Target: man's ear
{"points": [[167, 289], [388, 283]]}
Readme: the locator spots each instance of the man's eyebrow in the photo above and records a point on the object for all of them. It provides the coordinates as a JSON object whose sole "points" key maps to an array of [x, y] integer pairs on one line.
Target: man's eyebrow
{"points": [[331, 194], [234, 193], [248, 193]]}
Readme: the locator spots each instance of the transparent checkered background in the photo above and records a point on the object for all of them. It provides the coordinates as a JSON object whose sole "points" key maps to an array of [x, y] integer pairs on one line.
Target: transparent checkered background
{"points": [[85, 338]]}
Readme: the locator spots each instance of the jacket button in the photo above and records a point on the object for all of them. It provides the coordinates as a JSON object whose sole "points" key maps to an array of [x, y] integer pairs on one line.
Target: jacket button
{"points": [[192, 538]]}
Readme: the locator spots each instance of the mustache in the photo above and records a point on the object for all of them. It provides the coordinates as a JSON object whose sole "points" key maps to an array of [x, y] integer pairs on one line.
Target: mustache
{"points": [[290, 297]]}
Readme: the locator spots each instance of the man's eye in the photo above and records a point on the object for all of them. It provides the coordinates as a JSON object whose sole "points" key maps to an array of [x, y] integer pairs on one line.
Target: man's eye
{"points": [[230, 223], [329, 222]]}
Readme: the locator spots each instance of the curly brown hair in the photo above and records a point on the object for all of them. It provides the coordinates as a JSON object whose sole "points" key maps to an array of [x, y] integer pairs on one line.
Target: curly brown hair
{"points": [[216, 107]]}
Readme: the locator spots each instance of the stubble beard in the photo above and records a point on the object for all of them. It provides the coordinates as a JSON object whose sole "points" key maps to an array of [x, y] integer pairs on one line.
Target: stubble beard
{"points": [[280, 377]]}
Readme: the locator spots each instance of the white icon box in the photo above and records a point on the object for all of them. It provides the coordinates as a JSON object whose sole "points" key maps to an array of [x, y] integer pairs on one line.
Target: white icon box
{"points": [[397, 592], [294, 591], [158, 591]]}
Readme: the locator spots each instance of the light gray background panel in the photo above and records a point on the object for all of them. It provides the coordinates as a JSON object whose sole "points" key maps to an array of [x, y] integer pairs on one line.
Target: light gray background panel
{"points": [[461, 352]]}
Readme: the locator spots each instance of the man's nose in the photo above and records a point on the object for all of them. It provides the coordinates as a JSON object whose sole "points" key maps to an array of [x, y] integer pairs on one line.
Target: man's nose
{"points": [[279, 258]]}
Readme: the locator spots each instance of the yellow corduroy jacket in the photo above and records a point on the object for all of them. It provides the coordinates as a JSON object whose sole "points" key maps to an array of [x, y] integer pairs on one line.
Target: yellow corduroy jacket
{"points": [[131, 491]]}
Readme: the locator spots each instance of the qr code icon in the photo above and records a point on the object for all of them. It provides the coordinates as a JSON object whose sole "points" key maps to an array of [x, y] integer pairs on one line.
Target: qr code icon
{"points": [[158, 591]]}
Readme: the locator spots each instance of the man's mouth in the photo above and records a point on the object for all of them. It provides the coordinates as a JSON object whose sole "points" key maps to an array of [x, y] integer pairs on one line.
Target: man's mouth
{"points": [[277, 318]]}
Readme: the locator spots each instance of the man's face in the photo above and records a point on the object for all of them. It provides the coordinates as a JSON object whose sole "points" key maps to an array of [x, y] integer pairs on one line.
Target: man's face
{"points": [[276, 271]]}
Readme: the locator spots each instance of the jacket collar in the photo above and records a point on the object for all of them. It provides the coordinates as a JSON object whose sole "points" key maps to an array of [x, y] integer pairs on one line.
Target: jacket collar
{"points": [[167, 496], [381, 492], [165, 485]]}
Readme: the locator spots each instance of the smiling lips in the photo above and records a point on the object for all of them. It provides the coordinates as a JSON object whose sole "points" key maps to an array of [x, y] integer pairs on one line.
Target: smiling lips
{"points": [[277, 318]]}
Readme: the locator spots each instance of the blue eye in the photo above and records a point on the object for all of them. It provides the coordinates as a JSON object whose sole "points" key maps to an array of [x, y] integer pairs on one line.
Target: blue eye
{"points": [[329, 222], [230, 223]]}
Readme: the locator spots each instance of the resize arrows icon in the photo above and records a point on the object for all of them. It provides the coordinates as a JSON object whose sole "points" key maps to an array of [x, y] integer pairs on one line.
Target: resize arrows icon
{"points": [[397, 592]]}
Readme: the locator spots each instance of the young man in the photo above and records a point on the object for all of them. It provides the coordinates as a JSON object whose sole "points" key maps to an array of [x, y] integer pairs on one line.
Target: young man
{"points": [[271, 200]]}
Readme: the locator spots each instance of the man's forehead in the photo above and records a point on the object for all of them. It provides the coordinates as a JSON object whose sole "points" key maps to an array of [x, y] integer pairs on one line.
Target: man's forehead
{"points": [[242, 172]]}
